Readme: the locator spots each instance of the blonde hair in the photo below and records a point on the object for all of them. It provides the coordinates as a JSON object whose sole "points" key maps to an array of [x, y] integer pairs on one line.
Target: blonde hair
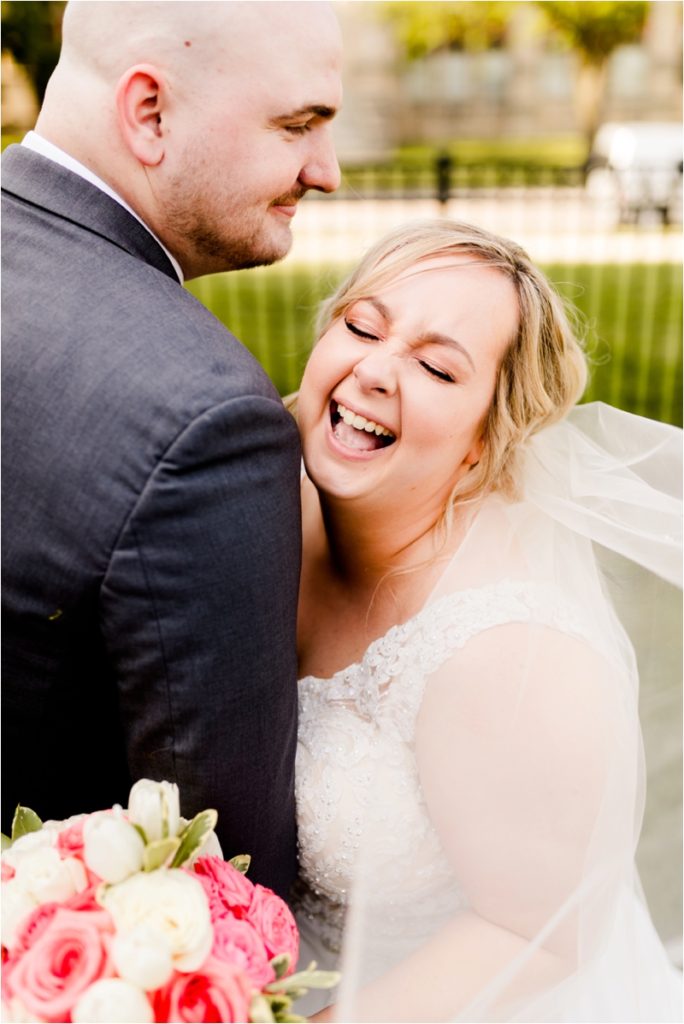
{"points": [[543, 371]]}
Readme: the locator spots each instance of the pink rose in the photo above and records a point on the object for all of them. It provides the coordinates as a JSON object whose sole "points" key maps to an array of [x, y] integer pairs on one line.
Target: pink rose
{"points": [[70, 840], [8, 872], [225, 886], [274, 922], [236, 942], [66, 954], [34, 925], [87, 901], [216, 992]]}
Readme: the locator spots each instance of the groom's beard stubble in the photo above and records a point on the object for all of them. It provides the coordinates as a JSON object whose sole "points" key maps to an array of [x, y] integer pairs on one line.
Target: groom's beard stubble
{"points": [[232, 231]]}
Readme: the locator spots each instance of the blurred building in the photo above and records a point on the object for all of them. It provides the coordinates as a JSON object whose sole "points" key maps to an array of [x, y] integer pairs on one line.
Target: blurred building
{"points": [[525, 88]]}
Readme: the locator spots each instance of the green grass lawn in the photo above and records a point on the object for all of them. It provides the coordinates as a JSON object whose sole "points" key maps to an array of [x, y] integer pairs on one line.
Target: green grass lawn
{"points": [[632, 317]]}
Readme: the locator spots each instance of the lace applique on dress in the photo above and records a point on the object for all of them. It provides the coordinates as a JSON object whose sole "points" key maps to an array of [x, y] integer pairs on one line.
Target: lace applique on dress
{"points": [[357, 730]]}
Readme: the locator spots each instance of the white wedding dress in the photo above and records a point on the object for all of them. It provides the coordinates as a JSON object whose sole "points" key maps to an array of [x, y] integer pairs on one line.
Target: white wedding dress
{"points": [[381, 856]]}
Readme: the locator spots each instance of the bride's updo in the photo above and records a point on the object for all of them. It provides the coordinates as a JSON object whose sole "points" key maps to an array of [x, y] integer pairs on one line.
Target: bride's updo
{"points": [[543, 371]]}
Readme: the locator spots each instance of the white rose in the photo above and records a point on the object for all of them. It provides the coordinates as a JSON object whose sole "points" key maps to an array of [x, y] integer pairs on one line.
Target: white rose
{"points": [[110, 1001], [42, 839], [46, 876], [112, 848], [53, 825], [155, 806], [171, 901], [16, 905], [143, 956]]}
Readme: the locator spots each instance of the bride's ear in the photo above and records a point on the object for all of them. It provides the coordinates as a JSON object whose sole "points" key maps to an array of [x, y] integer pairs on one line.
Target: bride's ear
{"points": [[139, 102], [475, 454]]}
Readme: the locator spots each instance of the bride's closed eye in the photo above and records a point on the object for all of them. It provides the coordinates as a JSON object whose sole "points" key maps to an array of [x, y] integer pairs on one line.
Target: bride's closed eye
{"points": [[360, 333], [435, 372]]}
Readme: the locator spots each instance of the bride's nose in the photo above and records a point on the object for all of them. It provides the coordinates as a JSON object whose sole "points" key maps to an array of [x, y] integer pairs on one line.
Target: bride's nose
{"points": [[377, 372]]}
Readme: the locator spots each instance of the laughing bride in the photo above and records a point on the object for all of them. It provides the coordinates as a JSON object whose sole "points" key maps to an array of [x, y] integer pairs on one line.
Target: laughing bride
{"points": [[470, 778]]}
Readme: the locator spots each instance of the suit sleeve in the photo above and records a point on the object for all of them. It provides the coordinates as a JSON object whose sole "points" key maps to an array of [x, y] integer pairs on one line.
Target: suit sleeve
{"points": [[198, 616]]}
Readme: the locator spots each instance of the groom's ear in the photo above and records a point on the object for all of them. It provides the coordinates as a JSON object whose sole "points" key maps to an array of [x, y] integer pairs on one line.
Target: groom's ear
{"points": [[139, 103]]}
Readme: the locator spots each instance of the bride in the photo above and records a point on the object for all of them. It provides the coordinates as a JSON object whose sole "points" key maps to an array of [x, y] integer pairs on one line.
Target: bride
{"points": [[470, 779]]}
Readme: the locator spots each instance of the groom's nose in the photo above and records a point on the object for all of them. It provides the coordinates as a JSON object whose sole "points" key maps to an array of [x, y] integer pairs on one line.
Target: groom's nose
{"points": [[321, 170]]}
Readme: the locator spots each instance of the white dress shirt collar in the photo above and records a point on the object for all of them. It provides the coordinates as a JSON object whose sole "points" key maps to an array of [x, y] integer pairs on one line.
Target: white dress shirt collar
{"points": [[48, 149]]}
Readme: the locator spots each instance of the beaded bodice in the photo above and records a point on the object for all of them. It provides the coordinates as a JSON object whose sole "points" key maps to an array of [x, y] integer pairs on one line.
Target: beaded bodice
{"points": [[356, 769]]}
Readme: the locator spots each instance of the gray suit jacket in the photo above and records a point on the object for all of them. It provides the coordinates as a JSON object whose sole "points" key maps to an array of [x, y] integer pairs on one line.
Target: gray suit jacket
{"points": [[151, 531]]}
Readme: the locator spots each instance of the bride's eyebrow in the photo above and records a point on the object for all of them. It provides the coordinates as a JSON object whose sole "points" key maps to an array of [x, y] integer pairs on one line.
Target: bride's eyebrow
{"points": [[428, 337], [434, 338]]}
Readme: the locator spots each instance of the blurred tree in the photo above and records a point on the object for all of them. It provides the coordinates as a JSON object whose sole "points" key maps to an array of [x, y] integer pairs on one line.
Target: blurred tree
{"points": [[424, 26], [31, 32], [594, 28]]}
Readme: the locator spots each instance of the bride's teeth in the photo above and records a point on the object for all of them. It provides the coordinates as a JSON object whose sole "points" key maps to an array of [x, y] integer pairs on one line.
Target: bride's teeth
{"points": [[354, 419]]}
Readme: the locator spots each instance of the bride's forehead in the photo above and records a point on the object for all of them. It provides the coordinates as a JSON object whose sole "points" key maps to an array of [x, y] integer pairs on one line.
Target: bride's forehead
{"points": [[426, 271]]}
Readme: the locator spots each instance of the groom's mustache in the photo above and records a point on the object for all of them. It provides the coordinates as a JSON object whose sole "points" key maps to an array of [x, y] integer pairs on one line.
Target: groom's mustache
{"points": [[290, 198]]}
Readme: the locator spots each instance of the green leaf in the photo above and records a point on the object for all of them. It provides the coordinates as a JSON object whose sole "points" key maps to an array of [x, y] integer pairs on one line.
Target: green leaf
{"points": [[241, 862], [194, 835], [260, 1011], [6, 841], [287, 1017], [280, 964], [305, 980], [158, 853], [278, 1004], [25, 821], [140, 830]]}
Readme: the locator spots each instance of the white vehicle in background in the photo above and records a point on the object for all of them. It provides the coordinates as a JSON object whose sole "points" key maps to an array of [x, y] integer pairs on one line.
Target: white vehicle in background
{"points": [[635, 170]]}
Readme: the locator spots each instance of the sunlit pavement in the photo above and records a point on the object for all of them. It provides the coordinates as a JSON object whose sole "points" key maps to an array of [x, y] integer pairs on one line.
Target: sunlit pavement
{"points": [[554, 226]]}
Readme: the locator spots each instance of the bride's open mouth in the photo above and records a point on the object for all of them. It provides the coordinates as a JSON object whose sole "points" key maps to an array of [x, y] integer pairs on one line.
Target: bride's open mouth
{"points": [[355, 431]]}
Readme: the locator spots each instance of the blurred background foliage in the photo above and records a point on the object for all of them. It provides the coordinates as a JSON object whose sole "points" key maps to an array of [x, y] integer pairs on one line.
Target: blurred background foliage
{"points": [[32, 33]]}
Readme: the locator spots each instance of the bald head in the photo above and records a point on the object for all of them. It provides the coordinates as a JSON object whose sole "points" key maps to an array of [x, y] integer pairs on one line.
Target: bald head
{"points": [[157, 97], [185, 39]]}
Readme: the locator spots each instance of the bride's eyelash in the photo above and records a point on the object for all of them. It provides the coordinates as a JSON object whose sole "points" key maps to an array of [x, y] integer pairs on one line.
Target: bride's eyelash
{"points": [[439, 374], [432, 370], [357, 330]]}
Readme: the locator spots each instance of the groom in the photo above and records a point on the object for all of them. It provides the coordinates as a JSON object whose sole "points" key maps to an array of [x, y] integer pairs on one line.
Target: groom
{"points": [[151, 475]]}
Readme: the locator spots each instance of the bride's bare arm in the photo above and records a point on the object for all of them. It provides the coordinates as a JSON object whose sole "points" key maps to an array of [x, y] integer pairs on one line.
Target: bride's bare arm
{"points": [[522, 751]]}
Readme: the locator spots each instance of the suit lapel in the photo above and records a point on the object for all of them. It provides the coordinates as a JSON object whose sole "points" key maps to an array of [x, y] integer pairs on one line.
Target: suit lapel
{"points": [[34, 179]]}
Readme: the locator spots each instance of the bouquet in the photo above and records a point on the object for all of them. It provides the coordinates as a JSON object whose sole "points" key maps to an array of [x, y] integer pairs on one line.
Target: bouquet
{"points": [[134, 915]]}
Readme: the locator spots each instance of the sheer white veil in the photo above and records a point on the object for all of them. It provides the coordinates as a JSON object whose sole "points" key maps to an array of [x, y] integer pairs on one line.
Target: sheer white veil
{"points": [[528, 749]]}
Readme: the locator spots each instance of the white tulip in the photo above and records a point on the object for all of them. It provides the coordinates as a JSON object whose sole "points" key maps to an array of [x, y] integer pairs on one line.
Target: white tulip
{"points": [[142, 956], [171, 901], [112, 1001], [16, 905], [112, 848], [155, 806]]}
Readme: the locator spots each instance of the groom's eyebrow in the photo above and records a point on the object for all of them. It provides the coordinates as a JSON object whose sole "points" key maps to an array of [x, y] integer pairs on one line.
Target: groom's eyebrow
{"points": [[318, 110]]}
